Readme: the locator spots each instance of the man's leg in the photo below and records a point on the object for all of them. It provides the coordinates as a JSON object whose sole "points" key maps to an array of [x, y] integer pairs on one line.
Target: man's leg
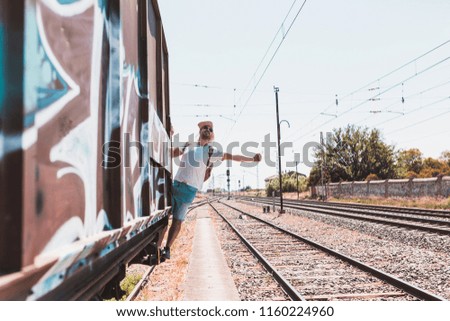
{"points": [[174, 230], [177, 220], [161, 237]]}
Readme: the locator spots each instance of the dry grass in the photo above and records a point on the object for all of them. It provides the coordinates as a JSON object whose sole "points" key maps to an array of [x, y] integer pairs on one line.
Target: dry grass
{"points": [[166, 282], [423, 202], [293, 195]]}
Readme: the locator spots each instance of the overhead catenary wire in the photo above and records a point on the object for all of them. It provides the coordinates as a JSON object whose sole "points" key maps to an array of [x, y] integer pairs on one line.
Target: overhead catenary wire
{"points": [[205, 116], [405, 98], [419, 122], [376, 81], [424, 137], [412, 111], [212, 105], [268, 48], [377, 95], [270, 60]]}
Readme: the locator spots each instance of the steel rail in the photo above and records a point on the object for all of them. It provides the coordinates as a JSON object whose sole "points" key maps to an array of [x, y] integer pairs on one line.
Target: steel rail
{"points": [[287, 287], [374, 212], [425, 211], [381, 208], [196, 205], [398, 283], [339, 212]]}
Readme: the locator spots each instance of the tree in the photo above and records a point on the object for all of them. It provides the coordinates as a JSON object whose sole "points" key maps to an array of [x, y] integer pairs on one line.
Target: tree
{"points": [[352, 154], [409, 161], [289, 183], [314, 175], [433, 167], [445, 157]]}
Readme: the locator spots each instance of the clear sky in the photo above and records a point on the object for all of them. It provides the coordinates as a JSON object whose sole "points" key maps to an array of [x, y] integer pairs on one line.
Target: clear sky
{"points": [[333, 48]]}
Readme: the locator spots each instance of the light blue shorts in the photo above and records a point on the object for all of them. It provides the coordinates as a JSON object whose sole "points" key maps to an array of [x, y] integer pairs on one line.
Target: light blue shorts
{"points": [[182, 197]]}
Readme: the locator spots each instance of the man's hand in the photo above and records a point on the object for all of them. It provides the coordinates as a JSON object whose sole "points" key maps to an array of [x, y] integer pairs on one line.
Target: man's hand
{"points": [[257, 157], [241, 158]]}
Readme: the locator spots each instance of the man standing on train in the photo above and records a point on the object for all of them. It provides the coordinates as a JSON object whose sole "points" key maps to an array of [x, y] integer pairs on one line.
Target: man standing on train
{"points": [[195, 168]]}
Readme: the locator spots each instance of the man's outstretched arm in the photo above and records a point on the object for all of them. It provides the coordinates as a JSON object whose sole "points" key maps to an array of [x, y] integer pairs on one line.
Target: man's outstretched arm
{"points": [[241, 158], [176, 152]]}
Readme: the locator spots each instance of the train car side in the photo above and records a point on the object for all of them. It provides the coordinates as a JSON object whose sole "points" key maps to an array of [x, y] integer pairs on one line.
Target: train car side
{"points": [[85, 165]]}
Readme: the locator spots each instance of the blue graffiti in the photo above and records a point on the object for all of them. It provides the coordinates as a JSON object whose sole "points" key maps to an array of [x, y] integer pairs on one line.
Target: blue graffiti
{"points": [[64, 2], [44, 85], [54, 87]]}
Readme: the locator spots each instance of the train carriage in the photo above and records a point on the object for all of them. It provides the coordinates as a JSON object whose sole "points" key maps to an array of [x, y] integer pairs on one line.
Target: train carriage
{"points": [[85, 167]]}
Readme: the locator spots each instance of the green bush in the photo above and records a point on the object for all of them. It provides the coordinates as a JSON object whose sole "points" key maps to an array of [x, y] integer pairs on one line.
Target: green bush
{"points": [[289, 184], [129, 283]]}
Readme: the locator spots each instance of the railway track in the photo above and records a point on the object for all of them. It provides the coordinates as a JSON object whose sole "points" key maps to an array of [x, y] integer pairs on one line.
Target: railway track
{"points": [[202, 202], [396, 209], [430, 222], [307, 270]]}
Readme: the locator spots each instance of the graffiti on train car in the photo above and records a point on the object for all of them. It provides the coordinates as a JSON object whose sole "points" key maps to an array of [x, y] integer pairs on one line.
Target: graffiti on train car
{"points": [[88, 81], [64, 119]]}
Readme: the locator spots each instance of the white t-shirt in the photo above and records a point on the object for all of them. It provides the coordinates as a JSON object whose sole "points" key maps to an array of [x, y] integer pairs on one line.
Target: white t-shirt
{"points": [[193, 165]]}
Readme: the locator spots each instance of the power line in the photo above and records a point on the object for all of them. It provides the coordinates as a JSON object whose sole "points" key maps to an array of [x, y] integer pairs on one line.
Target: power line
{"points": [[398, 68], [397, 84], [203, 105], [420, 122], [406, 98], [379, 94], [268, 48], [412, 111], [204, 116], [199, 86], [271, 59], [371, 83], [424, 137]]}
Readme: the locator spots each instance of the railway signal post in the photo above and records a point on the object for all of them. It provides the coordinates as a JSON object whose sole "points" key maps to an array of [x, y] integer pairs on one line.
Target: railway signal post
{"points": [[228, 182]]}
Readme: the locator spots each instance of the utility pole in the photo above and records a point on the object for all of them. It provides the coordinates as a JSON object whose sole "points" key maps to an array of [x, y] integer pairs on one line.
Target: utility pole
{"points": [[296, 175], [257, 177], [321, 167], [280, 174], [228, 181]]}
